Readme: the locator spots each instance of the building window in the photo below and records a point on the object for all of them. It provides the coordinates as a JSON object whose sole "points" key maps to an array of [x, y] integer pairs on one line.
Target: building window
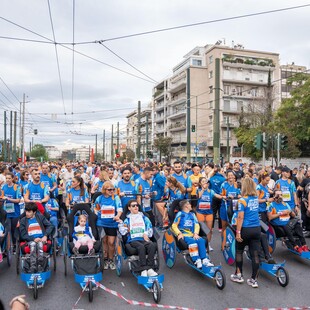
{"points": [[226, 89], [211, 104], [197, 62], [239, 90], [211, 89], [210, 74], [226, 105], [210, 59], [210, 119]]}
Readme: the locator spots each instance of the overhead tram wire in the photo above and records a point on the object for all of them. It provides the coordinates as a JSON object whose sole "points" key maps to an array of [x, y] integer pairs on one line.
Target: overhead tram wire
{"points": [[57, 58], [205, 22], [78, 52], [129, 64]]}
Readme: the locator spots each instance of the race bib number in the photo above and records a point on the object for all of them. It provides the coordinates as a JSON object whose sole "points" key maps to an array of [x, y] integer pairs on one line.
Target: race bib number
{"points": [[193, 249], [107, 212], [235, 204], [146, 202], [284, 218], [137, 227], [286, 195], [9, 207], [204, 206], [35, 196]]}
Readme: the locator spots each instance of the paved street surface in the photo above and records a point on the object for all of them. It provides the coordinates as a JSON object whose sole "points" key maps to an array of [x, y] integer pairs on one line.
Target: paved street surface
{"points": [[182, 287]]}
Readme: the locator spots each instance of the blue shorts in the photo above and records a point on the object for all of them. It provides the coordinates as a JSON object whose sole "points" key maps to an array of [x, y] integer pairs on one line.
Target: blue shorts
{"points": [[223, 213]]}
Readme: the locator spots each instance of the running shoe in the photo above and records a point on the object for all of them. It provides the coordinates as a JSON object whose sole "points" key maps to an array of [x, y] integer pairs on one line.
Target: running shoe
{"points": [[198, 263], [305, 248], [271, 260], [252, 282], [144, 273], [112, 265], [152, 273], [220, 230], [298, 249], [210, 248], [237, 278], [106, 264], [206, 261]]}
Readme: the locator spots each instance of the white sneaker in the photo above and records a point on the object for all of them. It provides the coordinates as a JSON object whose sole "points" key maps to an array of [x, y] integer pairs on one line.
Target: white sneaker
{"points": [[144, 273], [152, 273], [207, 262], [198, 263], [210, 248]]}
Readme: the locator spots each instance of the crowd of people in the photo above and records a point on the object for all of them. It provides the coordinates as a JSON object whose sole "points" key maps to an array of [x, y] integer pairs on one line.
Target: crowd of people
{"points": [[271, 194]]}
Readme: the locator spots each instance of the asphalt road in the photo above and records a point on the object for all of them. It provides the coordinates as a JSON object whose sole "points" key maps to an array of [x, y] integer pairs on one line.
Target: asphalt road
{"points": [[183, 286]]}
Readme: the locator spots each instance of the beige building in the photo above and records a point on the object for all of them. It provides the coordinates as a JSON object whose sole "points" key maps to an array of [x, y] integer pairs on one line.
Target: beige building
{"points": [[184, 104]]}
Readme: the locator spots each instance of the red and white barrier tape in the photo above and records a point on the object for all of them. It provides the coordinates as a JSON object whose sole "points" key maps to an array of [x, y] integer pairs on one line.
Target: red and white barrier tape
{"points": [[83, 290], [132, 302], [289, 308]]}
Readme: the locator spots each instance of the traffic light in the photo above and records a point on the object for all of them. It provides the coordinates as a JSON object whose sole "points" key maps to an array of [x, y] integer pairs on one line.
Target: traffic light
{"points": [[283, 142], [265, 142], [149, 154], [258, 141], [35, 131], [193, 128]]}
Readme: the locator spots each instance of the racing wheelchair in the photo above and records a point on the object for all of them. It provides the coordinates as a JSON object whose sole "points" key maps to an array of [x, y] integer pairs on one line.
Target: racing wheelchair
{"points": [[87, 268]]}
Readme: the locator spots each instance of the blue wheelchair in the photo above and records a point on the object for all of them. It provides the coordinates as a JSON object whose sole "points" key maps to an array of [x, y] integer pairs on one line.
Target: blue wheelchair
{"points": [[6, 243], [87, 268], [124, 252], [171, 246], [229, 248]]}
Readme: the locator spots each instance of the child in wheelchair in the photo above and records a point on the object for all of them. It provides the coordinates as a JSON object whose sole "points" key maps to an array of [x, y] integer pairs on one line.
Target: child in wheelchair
{"points": [[34, 228], [186, 227], [83, 235], [138, 229]]}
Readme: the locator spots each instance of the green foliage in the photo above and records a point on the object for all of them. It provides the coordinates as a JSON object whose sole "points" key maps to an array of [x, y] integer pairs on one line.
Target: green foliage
{"points": [[162, 144], [129, 155], [39, 151]]}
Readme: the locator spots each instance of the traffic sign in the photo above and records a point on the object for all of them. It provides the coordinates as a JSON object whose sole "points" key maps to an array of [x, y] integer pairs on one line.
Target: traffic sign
{"points": [[196, 149]]}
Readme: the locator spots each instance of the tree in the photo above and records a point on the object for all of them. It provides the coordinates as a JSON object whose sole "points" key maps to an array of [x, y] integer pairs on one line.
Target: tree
{"points": [[38, 151], [163, 145], [129, 155], [293, 116]]}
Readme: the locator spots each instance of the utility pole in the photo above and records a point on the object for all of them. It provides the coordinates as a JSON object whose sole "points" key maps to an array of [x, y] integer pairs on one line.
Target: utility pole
{"points": [[112, 146], [4, 140], [23, 131], [139, 132], [14, 139], [11, 136], [96, 147], [216, 129], [103, 145], [147, 132], [227, 141], [196, 131], [278, 148], [264, 149], [117, 138], [188, 117]]}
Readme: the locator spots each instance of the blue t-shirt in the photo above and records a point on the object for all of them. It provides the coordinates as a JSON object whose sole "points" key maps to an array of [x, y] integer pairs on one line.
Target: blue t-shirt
{"points": [[34, 228], [12, 209], [128, 188], [36, 191], [204, 204], [107, 208], [288, 189], [216, 181], [186, 222], [249, 205], [144, 187], [48, 180], [54, 204], [158, 186], [75, 196], [278, 208], [263, 193]]}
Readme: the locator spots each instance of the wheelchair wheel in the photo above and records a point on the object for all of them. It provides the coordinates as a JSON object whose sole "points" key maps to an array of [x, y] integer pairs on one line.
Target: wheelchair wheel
{"points": [[35, 288], [282, 277], [220, 279], [156, 291], [17, 257], [54, 253], [118, 265], [90, 292], [229, 241], [9, 249], [65, 255]]}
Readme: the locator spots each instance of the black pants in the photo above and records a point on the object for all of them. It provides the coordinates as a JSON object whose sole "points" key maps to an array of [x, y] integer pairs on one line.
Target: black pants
{"points": [[216, 205], [286, 231], [151, 217], [251, 237], [304, 217], [12, 227], [143, 248]]}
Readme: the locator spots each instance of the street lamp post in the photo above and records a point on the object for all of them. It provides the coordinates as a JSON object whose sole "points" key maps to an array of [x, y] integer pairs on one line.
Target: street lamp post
{"points": [[216, 124]]}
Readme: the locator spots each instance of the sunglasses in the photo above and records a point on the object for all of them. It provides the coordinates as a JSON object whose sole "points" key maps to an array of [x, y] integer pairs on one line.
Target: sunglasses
{"points": [[110, 189], [134, 205]]}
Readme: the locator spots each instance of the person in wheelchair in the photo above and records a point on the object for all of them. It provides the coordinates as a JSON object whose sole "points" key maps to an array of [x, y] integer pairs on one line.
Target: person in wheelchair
{"points": [[138, 229], [186, 227], [286, 224], [83, 235], [34, 228]]}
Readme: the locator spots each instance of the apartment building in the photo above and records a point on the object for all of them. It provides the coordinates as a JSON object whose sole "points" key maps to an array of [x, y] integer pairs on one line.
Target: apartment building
{"points": [[145, 127], [288, 71], [184, 104]]}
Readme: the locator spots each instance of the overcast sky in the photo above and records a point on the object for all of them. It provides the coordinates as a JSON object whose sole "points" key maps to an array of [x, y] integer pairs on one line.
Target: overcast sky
{"points": [[103, 95]]}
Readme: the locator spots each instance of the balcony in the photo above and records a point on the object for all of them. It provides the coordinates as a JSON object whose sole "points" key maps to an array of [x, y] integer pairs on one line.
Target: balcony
{"points": [[177, 126], [177, 100], [178, 82], [160, 129], [159, 118], [160, 106], [158, 94], [231, 124], [178, 114]]}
